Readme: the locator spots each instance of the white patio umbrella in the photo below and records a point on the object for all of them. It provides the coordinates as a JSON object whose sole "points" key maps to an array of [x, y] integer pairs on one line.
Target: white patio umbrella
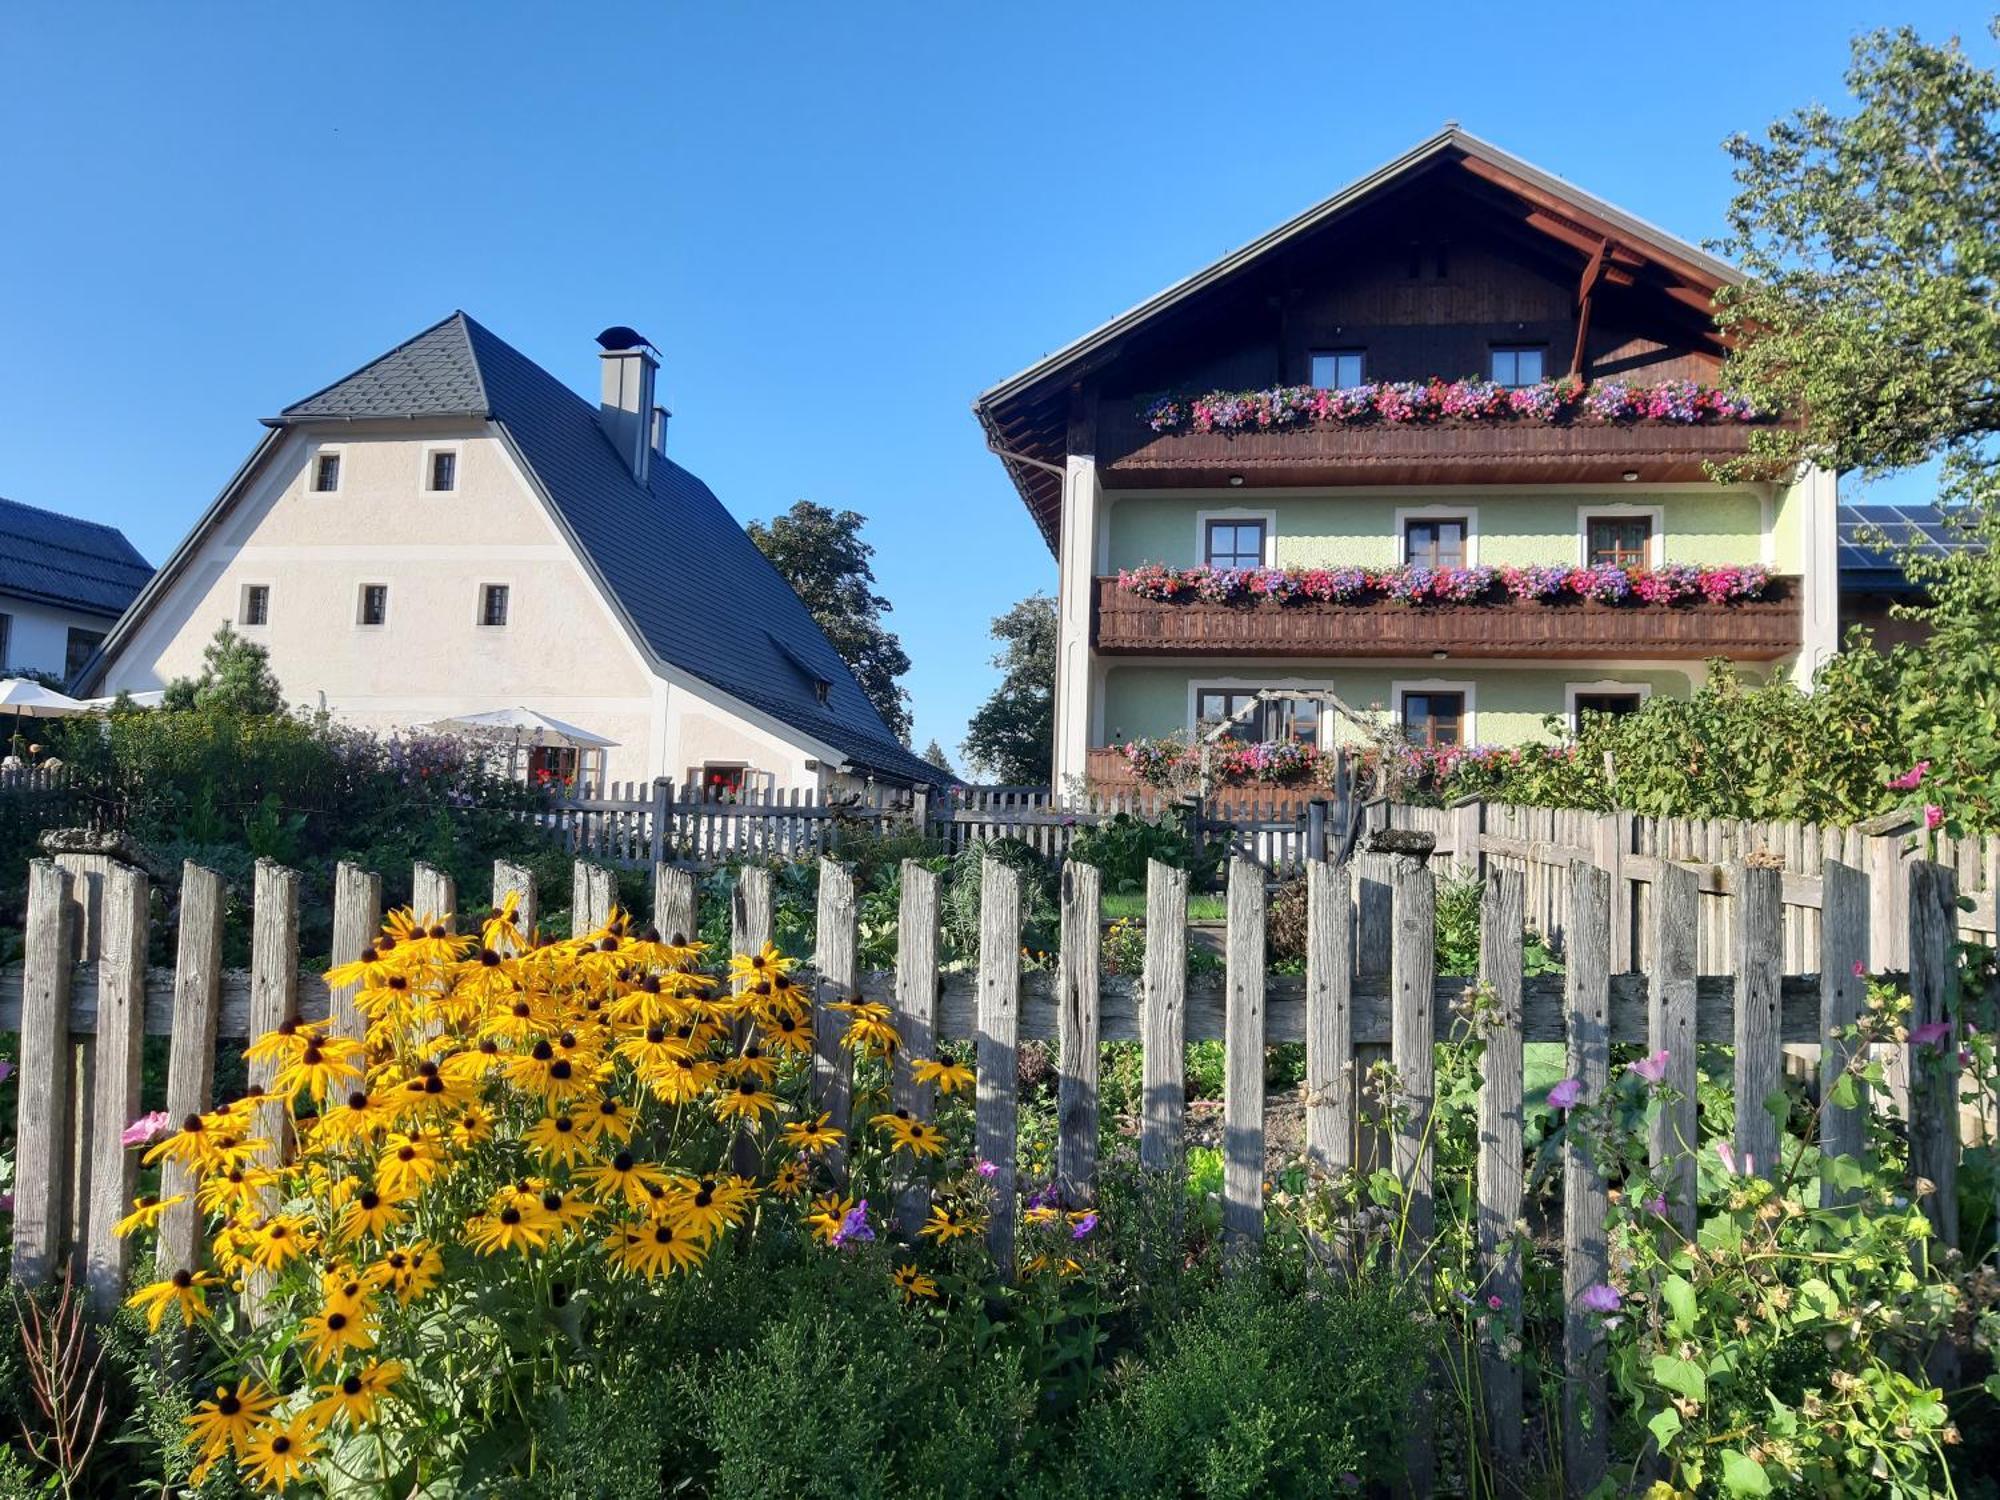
{"points": [[151, 698], [522, 726], [30, 700]]}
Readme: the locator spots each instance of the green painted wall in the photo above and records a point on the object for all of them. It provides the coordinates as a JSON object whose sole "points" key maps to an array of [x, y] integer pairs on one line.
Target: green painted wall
{"points": [[1509, 705], [1725, 526]]}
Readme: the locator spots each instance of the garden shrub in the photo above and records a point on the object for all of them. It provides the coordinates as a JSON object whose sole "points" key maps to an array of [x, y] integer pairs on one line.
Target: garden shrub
{"points": [[1123, 845]]}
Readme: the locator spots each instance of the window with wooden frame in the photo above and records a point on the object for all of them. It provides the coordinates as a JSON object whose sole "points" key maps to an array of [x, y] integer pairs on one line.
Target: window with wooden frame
{"points": [[256, 604], [1606, 704], [1338, 369], [79, 648], [1433, 542], [1275, 719], [1234, 544], [1516, 364], [441, 471], [1434, 717], [553, 766], [372, 608], [326, 474], [1618, 541]]}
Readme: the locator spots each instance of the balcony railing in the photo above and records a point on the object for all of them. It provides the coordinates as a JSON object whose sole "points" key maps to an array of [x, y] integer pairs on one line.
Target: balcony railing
{"points": [[1132, 456], [1765, 629]]}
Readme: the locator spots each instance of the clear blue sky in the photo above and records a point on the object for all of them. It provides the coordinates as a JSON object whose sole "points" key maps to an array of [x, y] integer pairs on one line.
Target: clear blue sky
{"points": [[840, 223]]}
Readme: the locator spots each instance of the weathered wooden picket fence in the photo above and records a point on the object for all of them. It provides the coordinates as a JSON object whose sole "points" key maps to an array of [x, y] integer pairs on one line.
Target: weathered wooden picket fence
{"points": [[84, 1000], [638, 823]]}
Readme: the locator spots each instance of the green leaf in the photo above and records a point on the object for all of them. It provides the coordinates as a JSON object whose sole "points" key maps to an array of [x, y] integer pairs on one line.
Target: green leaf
{"points": [[1665, 1427], [1742, 1474], [1681, 1376], [1678, 1293]]}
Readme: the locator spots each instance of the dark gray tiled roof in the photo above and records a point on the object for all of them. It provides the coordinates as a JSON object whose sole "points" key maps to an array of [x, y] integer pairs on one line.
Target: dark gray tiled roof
{"points": [[690, 578], [431, 375], [55, 559]]}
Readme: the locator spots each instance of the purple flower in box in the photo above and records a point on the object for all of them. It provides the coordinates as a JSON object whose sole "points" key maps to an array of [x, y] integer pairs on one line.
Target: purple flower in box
{"points": [[1605, 584]]}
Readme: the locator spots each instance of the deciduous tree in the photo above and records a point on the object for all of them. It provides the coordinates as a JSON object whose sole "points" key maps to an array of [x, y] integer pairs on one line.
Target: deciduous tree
{"points": [[1012, 736]]}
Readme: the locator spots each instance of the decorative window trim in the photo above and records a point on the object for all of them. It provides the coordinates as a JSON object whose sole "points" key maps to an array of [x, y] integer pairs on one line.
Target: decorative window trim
{"points": [[1198, 686], [335, 451], [360, 603], [1574, 690], [1236, 513], [1469, 733], [457, 453], [479, 603], [243, 604], [1656, 547], [1400, 540]]}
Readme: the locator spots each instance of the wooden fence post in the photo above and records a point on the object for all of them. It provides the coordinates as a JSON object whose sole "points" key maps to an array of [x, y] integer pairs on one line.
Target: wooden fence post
{"points": [[274, 1000], [750, 909], [357, 917], [1759, 965], [1501, 1172], [42, 1142], [1077, 1012], [191, 1058], [593, 896], [510, 879], [674, 908], [1586, 1257], [1243, 1061], [837, 978], [1611, 840], [121, 1041], [86, 893], [1468, 823], [1933, 1064], [1374, 908], [1843, 994], [1413, 1044], [433, 896], [1670, 1027], [1163, 1019], [916, 1015], [658, 828], [999, 1030], [1329, 1019]]}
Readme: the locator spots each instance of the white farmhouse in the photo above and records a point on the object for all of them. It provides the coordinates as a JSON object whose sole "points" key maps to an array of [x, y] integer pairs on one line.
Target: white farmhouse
{"points": [[63, 581], [451, 530]]}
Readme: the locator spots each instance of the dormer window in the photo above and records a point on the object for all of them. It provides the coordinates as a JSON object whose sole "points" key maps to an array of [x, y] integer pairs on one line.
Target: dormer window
{"points": [[1516, 364], [1337, 369], [326, 474]]}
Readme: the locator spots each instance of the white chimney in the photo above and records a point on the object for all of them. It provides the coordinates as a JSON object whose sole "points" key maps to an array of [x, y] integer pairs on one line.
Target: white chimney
{"points": [[626, 405], [661, 416]]}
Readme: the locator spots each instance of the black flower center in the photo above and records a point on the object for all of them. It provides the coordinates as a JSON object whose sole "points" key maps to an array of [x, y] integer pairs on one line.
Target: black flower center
{"points": [[351, 1385]]}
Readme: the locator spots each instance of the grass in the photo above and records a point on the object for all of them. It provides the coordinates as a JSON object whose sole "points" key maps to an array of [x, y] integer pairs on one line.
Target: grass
{"points": [[1202, 906]]}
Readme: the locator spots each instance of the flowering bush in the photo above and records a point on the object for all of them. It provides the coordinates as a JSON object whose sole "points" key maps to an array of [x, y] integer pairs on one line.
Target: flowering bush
{"points": [[1676, 583], [533, 1145], [1564, 399], [1160, 762]]}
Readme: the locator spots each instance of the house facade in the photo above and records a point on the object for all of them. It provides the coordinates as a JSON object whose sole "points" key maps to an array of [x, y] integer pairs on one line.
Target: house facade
{"points": [[1441, 446], [63, 582], [451, 531]]}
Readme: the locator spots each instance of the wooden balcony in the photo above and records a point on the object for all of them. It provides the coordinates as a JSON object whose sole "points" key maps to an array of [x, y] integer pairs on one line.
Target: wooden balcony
{"points": [[1766, 629], [1132, 456], [1110, 774]]}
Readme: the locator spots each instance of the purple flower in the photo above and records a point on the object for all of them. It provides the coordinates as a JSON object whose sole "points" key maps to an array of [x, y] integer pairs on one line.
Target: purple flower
{"points": [[1653, 1069], [1495, 1303], [986, 1169], [6, 1203], [1566, 1094], [1930, 1034], [1727, 1155], [855, 1228], [145, 1130], [1084, 1225], [1656, 1205], [6, 1071], [1601, 1298]]}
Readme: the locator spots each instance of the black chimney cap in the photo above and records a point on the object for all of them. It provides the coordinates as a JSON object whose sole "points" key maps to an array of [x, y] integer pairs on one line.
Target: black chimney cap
{"points": [[618, 336]]}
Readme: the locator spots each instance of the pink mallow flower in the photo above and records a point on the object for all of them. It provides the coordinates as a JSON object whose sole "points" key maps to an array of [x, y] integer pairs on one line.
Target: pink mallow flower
{"points": [[1566, 1094], [1653, 1069], [1602, 1298], [1911, 779], [1930, 1034], [1656, 1205], [1933, 815], [145, 1130], [1727, 1155], [986, 1169]]}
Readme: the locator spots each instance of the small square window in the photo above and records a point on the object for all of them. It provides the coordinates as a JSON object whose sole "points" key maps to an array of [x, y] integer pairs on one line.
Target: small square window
{"points": [[493, 604], [1434, 719], [374, 604], [326, 474], [1234, 544], [1338, 369], [256, 604], [1434, 544], [443, 471], [1517, 365], [79, 648], [1619, 541]]}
